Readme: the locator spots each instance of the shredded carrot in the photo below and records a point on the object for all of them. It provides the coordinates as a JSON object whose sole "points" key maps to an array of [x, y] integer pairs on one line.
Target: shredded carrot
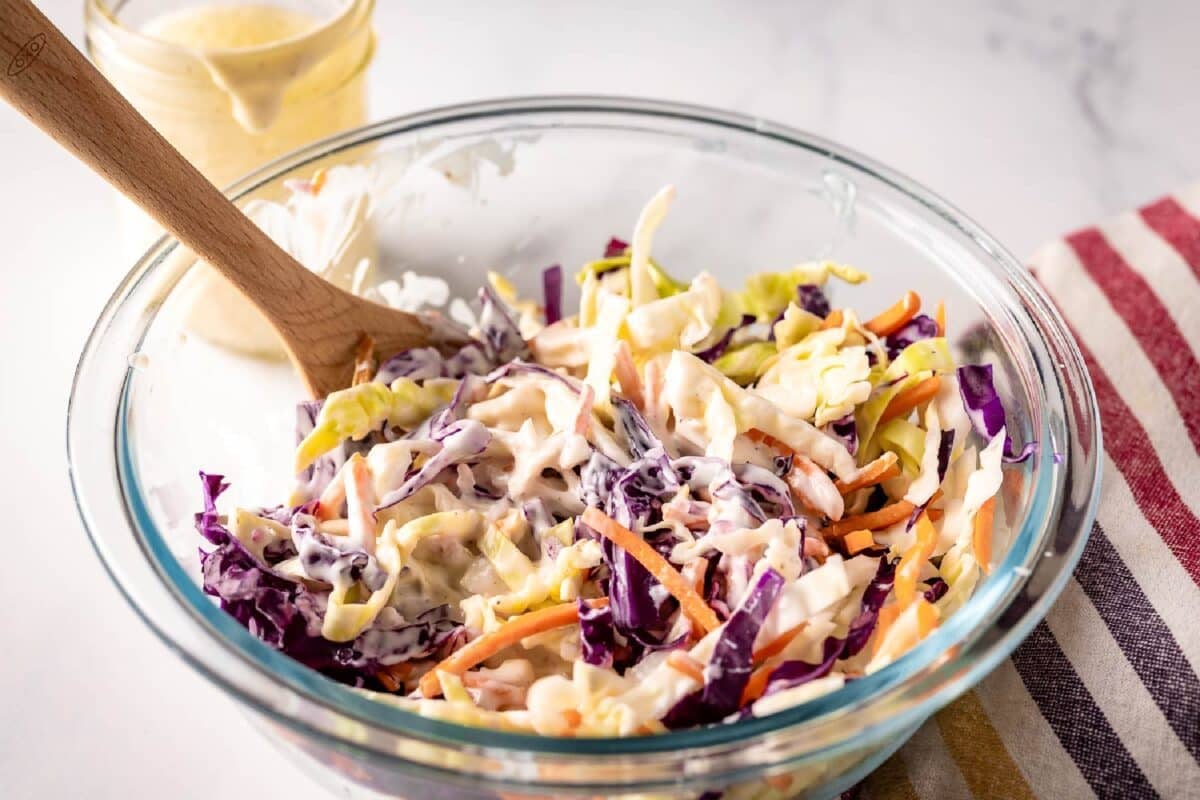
{"points": [[872, 520], [802, 488], [317, 183], [583, 414], [895, 317], [779, 782], [910, 398], [927, 617], [360, 502], [514, 630], [573, 718], [940, 317], [878, 471], [757, 684], [887, 616], [682, 662], [693, 604], [699, 573], [934, 514], [917, 554], [627, 376], [364, 361], [857, 541], [981, 537], [329, 504], [778, 644], [393, 677], [762, 437], [834, 320]]}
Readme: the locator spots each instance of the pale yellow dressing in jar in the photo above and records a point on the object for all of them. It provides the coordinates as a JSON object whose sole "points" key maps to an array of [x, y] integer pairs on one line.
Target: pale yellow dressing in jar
{"points": [[233, 87]]}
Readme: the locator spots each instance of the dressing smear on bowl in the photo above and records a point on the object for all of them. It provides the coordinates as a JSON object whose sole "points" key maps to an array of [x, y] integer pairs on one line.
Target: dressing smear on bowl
{"points": [[682, 505]]}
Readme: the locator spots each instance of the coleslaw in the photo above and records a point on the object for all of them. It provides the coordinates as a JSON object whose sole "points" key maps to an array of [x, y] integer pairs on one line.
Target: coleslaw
{"points": [[682, 505]]}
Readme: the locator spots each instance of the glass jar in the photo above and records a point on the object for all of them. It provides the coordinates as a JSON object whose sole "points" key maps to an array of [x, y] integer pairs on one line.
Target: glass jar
{"points": [[233, 85]]}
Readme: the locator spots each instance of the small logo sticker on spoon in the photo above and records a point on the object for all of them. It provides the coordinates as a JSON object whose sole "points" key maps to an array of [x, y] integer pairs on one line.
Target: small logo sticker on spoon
{"points": [[27, 54]]}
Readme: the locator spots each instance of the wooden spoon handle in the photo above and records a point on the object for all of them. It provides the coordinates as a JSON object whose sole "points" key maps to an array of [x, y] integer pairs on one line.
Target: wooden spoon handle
{"points": [[56, 87]]}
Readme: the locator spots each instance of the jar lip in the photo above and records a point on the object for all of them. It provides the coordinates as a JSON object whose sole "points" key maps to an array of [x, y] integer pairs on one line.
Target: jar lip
{"points": [[103, 13], [940, 674]]}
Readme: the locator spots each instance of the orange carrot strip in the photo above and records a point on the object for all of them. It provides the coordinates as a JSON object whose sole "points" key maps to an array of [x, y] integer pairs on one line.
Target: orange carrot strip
{"points": [[692, 603], [878, 471], [762, 437], [778, 644], [393, 677], [364, 361], [573, 718], [682, 662], [895, 317], [910, 562], [872, 520], [927, 617], [757, 684], [780, 783], [329, 504], [940, 317], [699, 573], [514, 630], [834, 320], [935, 514], [317, 182], [627, 376], [910, 398], [887, 616], [360, 502], [857, 541], [981, 537]]}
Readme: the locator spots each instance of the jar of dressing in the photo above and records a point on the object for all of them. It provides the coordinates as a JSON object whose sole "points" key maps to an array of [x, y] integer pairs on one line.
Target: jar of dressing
{"points": [[233, 85]]}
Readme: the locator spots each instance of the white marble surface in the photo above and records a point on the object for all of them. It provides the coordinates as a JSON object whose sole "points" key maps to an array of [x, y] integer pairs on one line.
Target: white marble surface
{"points": [[1032, 116]]}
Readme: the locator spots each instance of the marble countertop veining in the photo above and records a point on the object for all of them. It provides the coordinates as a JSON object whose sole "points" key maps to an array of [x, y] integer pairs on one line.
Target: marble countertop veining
{"points": [[1033, 116]]}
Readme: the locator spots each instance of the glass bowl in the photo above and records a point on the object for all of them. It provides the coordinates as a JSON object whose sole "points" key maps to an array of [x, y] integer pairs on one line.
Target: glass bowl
{"points": [[513, 186]]}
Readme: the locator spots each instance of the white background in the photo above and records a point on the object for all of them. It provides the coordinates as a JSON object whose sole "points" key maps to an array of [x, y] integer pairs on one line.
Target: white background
{"points": [[1034, 116]]}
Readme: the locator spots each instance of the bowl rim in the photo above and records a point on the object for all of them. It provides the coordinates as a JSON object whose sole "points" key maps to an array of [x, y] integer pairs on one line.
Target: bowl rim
{"points": [[999, 591]]}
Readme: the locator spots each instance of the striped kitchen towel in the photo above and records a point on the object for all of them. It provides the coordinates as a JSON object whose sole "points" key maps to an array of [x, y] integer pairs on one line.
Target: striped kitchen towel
{"points": [[1103, 698]]}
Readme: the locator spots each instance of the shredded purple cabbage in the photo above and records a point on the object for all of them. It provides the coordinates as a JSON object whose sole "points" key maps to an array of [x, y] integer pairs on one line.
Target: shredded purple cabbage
{"points": [[552, 283], [728, 669], [287, 616], [460, 441], [615, 247], [845, 430], [945, 448], [937, 589], [986, 411], [711, 354], [501, 337], [596, 634], [208, 521], [922, 326], [514, 368], [791, 674], [634, 429], [419, 363], [812, 299]]}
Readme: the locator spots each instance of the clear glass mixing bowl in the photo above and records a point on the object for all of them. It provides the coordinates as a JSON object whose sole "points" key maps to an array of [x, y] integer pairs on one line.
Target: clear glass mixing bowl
{"points": [[513, 186]]}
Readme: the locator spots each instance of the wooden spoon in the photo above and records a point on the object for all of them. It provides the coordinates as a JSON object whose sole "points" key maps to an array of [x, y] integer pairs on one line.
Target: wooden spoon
{"points": [[51, 83]]}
